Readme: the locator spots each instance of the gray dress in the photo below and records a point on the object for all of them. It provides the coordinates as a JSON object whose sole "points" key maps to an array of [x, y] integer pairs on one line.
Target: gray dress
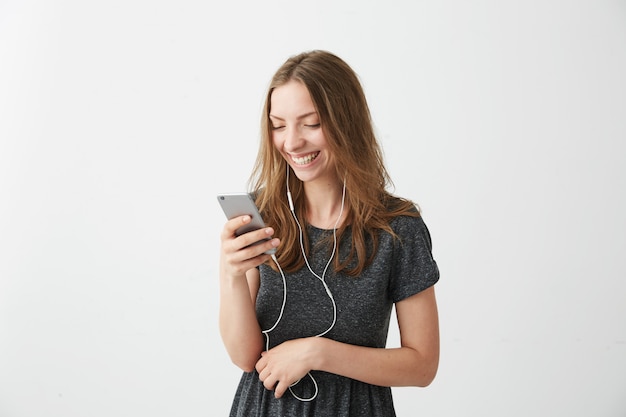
{"points": [[402, 267]]}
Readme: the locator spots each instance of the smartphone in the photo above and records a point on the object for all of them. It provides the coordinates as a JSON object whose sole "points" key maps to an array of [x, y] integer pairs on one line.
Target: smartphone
{"points": [[240, 204]]}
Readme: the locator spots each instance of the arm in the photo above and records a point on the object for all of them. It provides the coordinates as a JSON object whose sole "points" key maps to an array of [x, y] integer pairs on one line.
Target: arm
{"points": [[239, 284], [415, 363]]}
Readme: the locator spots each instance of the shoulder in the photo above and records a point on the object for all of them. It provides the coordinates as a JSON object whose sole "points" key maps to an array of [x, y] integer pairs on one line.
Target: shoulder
{"points": [[404, 215], [406, 223], [395, 203], [414, 268]]}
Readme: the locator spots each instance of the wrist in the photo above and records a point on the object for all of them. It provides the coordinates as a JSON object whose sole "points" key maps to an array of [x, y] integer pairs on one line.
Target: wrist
{"points": [[318, 349]]}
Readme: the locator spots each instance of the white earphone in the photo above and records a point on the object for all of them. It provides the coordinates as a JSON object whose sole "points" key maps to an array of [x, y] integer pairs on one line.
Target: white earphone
{"points": [[321, 278]]}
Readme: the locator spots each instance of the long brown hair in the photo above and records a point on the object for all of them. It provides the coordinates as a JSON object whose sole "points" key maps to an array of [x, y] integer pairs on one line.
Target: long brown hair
{"points": [[345, 119]]}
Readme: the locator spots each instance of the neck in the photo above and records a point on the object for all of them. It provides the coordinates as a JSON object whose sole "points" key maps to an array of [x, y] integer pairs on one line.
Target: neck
{"points": [[323, 204]]}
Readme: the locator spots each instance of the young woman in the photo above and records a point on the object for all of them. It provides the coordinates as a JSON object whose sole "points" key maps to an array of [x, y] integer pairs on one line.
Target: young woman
{"points": [[308, 326]]}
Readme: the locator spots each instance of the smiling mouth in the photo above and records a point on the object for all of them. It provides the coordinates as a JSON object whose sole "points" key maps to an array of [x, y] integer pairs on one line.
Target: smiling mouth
{"points": [[306, 159]]}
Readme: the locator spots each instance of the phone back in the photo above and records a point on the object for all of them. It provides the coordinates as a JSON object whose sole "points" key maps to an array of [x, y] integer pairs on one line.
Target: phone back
{"points": [[239, 204]]}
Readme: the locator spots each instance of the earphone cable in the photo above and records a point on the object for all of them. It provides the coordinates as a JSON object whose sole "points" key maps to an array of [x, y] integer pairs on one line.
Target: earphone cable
{"points": [[321, 278]]}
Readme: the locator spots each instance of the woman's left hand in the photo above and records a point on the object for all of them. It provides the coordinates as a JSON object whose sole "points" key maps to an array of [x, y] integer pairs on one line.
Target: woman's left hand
{"points": [[282, 366]]}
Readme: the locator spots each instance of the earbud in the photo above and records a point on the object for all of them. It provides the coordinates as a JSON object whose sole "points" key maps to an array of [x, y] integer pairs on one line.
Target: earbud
{"points": [[289, 191], [290, 200]]}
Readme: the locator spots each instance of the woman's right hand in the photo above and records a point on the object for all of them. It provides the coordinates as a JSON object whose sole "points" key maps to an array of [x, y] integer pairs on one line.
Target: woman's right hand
{"points": [[239, 253], [239, 284]]}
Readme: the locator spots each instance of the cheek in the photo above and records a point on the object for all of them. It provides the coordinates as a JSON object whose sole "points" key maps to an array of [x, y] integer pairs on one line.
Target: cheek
{"points": [[320, 139], [278, 144], [276, 141], [320, 134]]}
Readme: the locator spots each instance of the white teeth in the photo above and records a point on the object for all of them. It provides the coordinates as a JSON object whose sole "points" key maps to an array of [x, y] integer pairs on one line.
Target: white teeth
{"points": [[305, 159]]}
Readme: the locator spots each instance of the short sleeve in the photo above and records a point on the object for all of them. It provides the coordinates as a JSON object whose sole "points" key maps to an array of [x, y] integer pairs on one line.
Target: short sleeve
{"points": [[414, 268]]}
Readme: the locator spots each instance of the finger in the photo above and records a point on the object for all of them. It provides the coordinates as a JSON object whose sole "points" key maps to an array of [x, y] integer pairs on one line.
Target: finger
{"points": [[255, 236], [270, 382], [263, 375], [248, 250], [256, 251], [281, 387], [233, 224], [261, 364]]}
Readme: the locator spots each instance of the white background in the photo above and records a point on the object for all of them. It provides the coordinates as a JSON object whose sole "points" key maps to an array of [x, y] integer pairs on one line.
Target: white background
{"points": [[121, 120]]}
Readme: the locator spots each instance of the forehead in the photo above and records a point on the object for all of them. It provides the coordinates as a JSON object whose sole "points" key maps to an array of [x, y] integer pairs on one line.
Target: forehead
{"points": [[291, 99]]}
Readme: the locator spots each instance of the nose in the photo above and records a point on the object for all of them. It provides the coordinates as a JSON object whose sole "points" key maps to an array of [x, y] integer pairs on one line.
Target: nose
{"points": [[293, 139]]}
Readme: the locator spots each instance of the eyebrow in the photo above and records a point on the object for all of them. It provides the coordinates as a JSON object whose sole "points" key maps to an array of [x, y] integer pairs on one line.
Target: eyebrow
{"points": [[304, 116]]}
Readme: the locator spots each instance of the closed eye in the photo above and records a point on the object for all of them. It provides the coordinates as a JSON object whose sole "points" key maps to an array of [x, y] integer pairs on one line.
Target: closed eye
{"points": [[313, 126]]}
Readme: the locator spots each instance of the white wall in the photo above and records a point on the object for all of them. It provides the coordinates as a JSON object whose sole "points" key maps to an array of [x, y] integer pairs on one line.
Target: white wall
{"points": [[121, 120]]}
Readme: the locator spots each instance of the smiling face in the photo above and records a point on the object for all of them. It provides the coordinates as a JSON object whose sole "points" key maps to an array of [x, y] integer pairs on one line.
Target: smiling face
{"points": [[298, 135]]}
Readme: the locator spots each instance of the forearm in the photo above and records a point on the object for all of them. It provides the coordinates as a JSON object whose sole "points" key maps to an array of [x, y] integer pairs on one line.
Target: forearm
{"points": [[402, 366], [239, 327]]}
